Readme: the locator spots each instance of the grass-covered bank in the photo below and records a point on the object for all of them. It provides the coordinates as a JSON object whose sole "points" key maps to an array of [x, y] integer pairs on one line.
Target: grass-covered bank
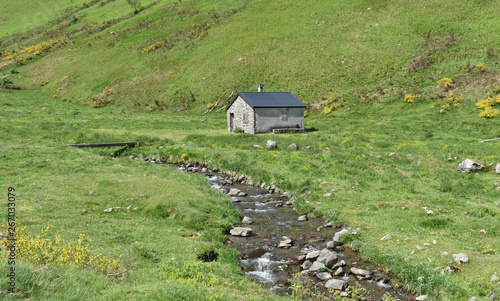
{"points": [[385, 167], [156, 242], [382, 165]]}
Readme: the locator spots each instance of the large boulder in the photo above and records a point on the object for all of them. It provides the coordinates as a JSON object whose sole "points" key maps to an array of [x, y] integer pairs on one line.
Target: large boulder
{"points": [[234, 192], [461, 258], [360, 272], [328, 258], [337, 237], [336, 284], [271, 144], [241, 231], [469, 165], [316, 266]]}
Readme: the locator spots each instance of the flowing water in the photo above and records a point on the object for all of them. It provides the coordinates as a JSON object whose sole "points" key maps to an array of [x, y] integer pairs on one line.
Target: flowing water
{"points": [[273, 267]]}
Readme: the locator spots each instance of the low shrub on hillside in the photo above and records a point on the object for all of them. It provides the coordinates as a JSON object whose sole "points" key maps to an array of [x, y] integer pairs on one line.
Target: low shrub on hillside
{"points": [[487, 106], [333, 103], [39, 250], [411, 98]]}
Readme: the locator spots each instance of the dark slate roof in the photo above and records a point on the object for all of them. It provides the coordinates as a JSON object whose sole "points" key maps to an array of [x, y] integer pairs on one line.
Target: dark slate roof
{"points": [[269, 100]]}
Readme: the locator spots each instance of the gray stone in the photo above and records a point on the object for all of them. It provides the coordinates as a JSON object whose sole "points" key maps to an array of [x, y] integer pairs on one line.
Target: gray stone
{"points": [[421, 298], [293, 146], [360, 272], [256, 253], [234, 192], [285, 242], [316, 266], [108, 210], [258, 146], [241, 193], [271, 144], [497, 168], [494, 278], [461, 258], [341, 263], [339, 271], [469, 165], [313, 254], [336, 284], [241, 231], [302, 218], [336, 237], [331, 260], [235, 199], [247, 220], [473, 298], [324, 276], [306, 265], [322, 255], [92, 192], [330, 245]]}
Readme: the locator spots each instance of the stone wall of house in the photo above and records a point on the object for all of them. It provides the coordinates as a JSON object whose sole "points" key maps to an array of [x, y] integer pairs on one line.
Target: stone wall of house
{"points": [[268, 119], [244, 117]]}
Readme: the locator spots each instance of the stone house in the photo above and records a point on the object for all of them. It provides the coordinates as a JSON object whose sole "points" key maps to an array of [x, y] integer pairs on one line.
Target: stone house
{"points": [[263, 112]]}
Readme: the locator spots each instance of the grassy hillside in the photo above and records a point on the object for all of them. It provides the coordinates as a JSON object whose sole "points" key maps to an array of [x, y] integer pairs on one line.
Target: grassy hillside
{"points": [[188, 54], [154, 246]]}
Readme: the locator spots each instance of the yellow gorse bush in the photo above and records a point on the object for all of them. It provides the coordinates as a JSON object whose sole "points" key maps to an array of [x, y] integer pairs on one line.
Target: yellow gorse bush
{"points": [[487, 106], [411, 98], [100, 99], [26, 53], [41, 251], [445, 83], [200, 31], [153, 47], [448, 102], [333, 103]]}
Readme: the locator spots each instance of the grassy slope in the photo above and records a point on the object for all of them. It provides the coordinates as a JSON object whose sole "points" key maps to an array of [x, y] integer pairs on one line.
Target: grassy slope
{"points": [[159, 252], [314, 49]]}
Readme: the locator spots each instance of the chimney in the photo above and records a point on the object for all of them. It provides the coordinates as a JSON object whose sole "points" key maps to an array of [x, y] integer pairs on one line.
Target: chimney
{"points": [[260, 88]]}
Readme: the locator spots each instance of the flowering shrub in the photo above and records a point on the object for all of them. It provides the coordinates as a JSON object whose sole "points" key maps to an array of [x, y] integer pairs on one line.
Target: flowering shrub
{"points": [[480, 67], [41, 251], [487, 106], [22, 54], [411, 98], [446, 83], [333, 103], [200, 31], [488, 251], [153, 47], [448, 102], [100, 99]]}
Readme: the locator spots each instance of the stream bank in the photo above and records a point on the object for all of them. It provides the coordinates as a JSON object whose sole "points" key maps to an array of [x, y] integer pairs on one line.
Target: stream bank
{"points": [[277, 244]]}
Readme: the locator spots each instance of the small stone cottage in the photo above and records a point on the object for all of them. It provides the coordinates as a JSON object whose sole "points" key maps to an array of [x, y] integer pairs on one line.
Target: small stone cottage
{"points": [[263, 112]]}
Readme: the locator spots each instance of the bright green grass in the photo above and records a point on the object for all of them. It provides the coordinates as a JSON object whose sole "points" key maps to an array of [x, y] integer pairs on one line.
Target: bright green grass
{"points": [[314, 49], [159, 252], [350, 153]]}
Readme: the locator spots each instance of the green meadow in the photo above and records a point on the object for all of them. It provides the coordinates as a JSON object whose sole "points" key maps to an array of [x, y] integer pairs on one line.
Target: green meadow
{"points": [[384, 137]]}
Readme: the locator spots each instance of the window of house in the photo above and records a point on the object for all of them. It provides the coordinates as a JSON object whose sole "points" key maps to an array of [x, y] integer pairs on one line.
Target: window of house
{"points": [[245, 117]]}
